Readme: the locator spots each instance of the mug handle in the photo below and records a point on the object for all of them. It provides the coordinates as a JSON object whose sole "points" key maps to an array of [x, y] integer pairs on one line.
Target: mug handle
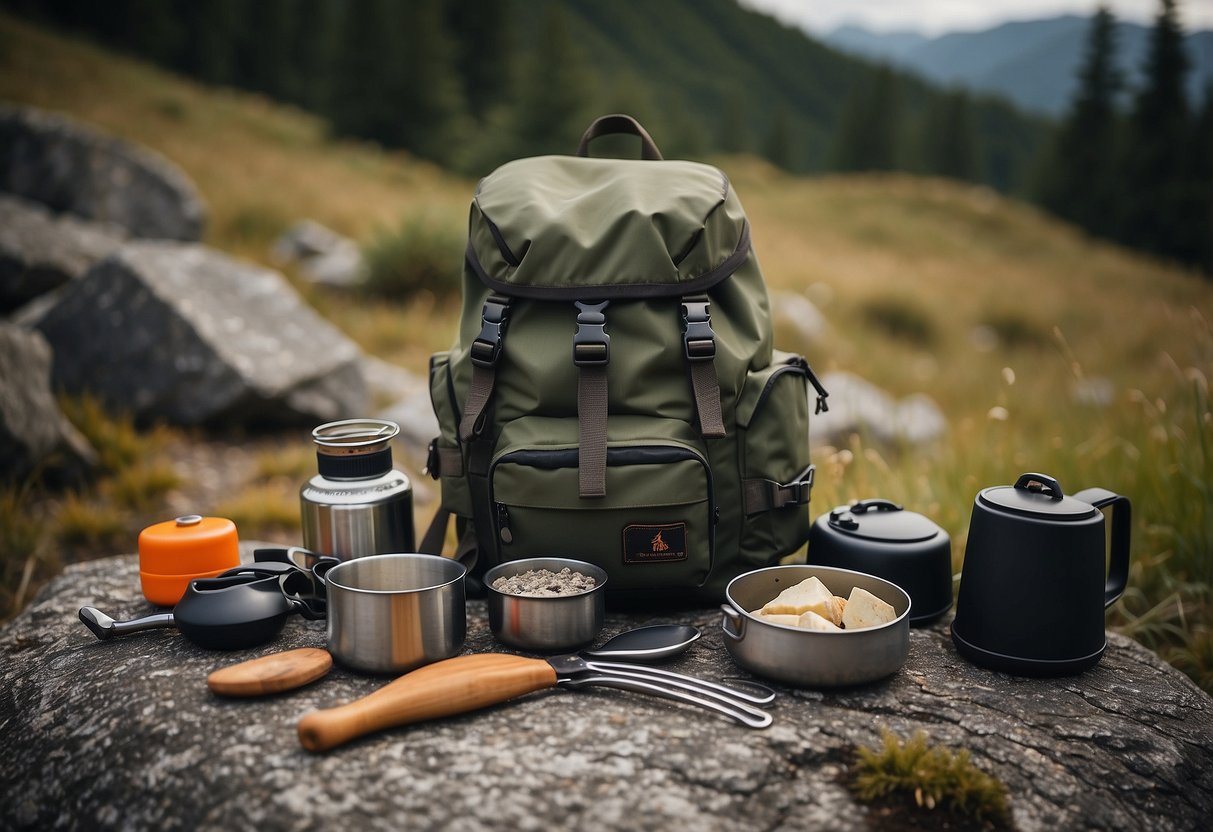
{"points": [[1122, 516]]}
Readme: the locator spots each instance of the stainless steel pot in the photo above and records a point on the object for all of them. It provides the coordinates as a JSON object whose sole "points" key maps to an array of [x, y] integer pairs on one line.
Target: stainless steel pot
{"points": [[810, 658], [546, 624], [392, 613]]}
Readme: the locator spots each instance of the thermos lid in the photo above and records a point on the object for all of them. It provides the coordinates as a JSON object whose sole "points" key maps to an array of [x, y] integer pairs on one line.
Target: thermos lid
{"points": [[354, 449], [1036, 495], [882, 520]]}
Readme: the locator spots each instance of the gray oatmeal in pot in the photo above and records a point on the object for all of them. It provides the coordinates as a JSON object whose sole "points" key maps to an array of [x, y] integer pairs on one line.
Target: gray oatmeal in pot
{"points": [[544, 583]]}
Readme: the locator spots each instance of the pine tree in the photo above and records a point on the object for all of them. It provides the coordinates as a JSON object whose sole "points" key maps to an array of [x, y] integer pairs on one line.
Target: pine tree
{"points": [[483, 51], [1082, 182], [781, 146], [555, 92], [1156, 159], [314, 51], [949, 144], [1201, 225], [866, 136]]}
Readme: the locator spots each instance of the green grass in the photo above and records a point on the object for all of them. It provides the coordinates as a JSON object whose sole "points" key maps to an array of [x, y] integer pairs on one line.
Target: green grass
{"points": [[905, 270], [931, 780]]}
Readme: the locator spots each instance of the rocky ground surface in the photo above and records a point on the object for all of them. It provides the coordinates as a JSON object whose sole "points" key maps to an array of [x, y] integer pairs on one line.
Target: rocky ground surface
{"points": [[125, 734]]}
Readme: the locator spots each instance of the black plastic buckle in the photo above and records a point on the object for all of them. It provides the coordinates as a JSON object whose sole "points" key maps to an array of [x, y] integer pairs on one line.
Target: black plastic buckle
{"points": [[486, 349], [799, 492], [432, 461], [591, 344], [698, 337]]}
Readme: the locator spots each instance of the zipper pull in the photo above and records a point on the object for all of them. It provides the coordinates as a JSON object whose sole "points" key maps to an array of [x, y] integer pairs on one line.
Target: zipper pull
{"points": [[503, 524], [822, 407]]}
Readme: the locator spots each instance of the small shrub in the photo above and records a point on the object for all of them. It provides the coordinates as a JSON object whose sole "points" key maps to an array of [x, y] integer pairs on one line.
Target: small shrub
{"points": [[115, 439], [261, 510], [94, 524], [901, 318], [418, 256], [294, 464], [1015, 330], [141, 485], [930, 778]]}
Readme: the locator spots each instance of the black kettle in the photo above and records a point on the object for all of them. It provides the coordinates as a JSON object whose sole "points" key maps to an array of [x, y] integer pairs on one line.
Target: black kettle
{"points": [[1033, 588]]}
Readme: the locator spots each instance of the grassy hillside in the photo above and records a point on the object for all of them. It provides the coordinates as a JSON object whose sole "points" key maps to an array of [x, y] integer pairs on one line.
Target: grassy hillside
{"points": [[905, 269]]}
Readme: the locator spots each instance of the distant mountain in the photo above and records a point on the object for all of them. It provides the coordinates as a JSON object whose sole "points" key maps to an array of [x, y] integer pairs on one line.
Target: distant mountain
{"points": [[1034, 63]]}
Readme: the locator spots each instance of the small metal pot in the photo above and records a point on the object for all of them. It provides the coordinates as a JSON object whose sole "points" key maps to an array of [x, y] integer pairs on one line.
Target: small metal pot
{"points": [[811, 658], [546, 624], [393, 613]]}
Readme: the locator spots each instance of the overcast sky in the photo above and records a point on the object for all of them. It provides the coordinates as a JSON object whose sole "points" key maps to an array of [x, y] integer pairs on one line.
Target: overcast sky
{"points": [[935, 16]]}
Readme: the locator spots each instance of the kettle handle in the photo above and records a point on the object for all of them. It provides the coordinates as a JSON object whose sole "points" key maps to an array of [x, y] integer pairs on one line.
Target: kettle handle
{"points": [[1041, 483], [1122, 518]]}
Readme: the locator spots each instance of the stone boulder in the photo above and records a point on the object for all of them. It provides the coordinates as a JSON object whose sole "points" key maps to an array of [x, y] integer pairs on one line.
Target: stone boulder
{"points": [[800, 314], [125, 734], [72, 168], [32, 430], [39, 252], [180, 332], [858, 406], [324, 256]]}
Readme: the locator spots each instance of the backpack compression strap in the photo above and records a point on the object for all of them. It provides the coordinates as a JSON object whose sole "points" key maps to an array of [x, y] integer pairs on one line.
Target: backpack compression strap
{"points": [[591, 354], [485, 353], [699, 347]]}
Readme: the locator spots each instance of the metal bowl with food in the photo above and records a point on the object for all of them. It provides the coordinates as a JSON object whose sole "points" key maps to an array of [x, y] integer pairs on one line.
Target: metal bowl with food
{"points": [[546, 623], [812, 658]]}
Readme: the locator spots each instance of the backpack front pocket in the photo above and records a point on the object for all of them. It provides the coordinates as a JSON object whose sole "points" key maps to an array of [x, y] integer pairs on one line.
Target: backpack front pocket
{"points": [[654, 527]]}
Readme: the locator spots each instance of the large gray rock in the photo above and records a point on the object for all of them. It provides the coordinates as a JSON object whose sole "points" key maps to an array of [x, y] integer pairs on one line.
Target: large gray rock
{"points": [[71, 167], [800, 314], [180, 332], [125, 734], [32, 430], [858, 406], [324, 256], [39, 252]]}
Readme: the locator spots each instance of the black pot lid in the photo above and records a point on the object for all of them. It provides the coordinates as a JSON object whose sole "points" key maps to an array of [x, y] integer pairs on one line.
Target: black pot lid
{"points": [[1036, 495], [883, 521]]}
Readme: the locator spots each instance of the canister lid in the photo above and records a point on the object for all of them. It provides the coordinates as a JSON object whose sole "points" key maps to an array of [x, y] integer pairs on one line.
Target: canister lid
{"points": [[189, 545], [1036, 495], [882, 520]]}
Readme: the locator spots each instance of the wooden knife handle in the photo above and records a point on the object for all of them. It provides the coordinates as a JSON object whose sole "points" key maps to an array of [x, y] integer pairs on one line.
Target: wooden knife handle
{"points": [[453, 686]]}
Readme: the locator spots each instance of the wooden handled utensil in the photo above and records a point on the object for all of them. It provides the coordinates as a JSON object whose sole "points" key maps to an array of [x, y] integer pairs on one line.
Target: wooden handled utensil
{"points": [[271, 674], [468, 683]]}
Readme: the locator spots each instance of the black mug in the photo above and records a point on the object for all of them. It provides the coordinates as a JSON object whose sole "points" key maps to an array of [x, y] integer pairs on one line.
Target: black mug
{"points": [[1033, 589]]}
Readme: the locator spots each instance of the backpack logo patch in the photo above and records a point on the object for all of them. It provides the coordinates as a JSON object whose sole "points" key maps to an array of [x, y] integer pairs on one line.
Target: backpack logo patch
{"points": [[655, 544]]}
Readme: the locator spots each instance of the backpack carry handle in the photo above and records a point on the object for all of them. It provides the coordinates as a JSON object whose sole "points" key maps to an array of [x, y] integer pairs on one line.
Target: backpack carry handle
{"points": [[620, 123]]}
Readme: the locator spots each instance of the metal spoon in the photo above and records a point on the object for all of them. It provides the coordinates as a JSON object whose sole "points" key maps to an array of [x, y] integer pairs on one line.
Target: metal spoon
{"points": [[647, 644]]}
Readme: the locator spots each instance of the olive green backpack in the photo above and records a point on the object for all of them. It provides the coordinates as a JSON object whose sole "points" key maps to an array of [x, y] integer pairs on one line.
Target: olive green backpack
{"points": [[612, 395]]}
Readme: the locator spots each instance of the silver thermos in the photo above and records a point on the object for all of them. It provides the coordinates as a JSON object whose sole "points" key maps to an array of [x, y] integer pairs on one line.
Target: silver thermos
{"points": [[358, 504]]}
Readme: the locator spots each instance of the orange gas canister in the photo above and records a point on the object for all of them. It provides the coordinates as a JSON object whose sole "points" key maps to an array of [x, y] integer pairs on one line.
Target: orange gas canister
{"points": [[173, 553]]}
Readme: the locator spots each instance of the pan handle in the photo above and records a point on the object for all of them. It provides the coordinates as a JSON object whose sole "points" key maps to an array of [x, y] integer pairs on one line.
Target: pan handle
{"points": [[733, 623], [449, 687]]}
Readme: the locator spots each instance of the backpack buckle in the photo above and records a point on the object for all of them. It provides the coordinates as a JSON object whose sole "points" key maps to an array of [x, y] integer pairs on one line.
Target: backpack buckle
{"points": [[591, 344], [698, 337], [486, 349], [798, 492]]}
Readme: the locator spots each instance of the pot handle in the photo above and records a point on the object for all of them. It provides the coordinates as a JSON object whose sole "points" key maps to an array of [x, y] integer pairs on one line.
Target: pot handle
{"points": [[1122, 523], [736, 632]]}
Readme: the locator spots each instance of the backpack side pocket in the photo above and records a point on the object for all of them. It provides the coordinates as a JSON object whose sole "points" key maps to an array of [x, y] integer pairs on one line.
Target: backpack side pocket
{"points": [[777, 477], [445, 462]]}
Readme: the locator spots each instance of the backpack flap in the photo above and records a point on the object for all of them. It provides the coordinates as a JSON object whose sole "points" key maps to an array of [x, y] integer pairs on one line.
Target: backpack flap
{"points": [[568, 228]]}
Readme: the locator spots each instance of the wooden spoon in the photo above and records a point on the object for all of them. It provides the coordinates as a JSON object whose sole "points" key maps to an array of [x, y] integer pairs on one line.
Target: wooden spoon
{"points": [[271, 674]]}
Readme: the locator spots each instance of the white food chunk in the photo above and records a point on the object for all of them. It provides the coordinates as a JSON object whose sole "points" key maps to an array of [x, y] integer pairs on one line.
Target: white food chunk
{"points": [[810, 595], [813, 621], [786, 620], [866, 610]]}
